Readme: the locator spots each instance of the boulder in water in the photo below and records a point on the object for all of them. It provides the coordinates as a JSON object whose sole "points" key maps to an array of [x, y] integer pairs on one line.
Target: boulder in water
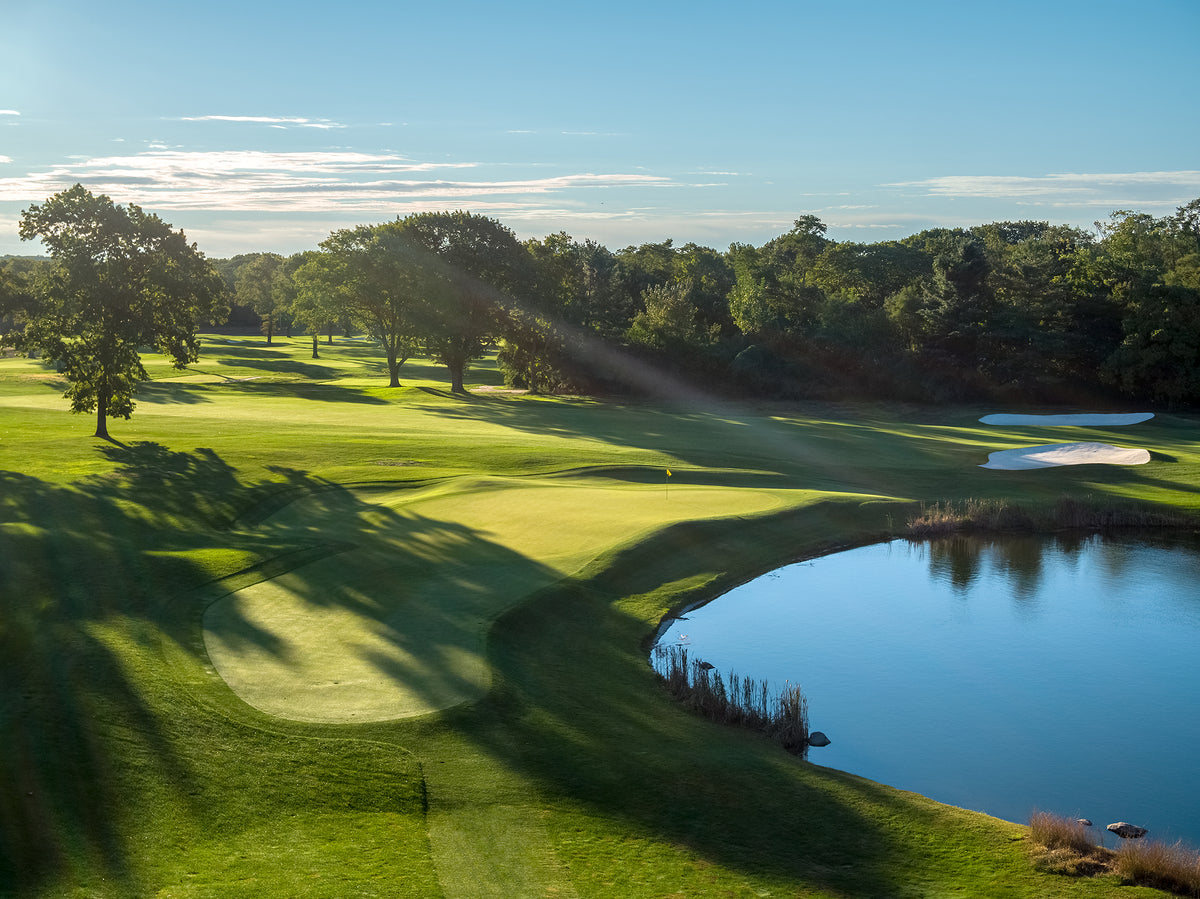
{"points": [[1127, 831]]}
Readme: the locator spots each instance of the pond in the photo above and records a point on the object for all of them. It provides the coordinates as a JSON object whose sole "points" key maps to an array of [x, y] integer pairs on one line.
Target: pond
{"points": [[1003, 675]]}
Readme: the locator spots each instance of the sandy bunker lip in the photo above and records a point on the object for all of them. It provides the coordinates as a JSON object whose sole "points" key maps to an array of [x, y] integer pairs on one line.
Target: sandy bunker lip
{"points": [[1078, 420], [1056, 454]]}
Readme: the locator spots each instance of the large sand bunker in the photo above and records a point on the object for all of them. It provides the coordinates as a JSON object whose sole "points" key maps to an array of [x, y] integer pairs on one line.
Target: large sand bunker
{"points": [[1057, 454], [1082, 420]]}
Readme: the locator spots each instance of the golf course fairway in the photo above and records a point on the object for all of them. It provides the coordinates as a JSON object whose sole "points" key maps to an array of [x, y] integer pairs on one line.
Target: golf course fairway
{"points": [[292, 633]]}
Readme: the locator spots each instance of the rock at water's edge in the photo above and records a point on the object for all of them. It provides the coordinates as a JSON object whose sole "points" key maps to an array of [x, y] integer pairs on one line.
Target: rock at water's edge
{"points": [[1127, 831], [816, 738]]}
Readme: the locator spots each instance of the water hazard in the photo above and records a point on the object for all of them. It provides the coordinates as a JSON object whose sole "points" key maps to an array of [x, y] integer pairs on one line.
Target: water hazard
{"points": [[1001, 675]]}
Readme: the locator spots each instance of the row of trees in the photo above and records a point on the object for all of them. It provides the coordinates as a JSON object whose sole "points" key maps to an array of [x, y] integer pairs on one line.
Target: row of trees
{"points": [[1024, 310], [1016, 310]]}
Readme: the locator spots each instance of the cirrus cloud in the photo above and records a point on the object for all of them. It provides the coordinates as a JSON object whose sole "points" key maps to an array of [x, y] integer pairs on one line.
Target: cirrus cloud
{"points": [[1065, 189], [273, 121], [309, 182]]}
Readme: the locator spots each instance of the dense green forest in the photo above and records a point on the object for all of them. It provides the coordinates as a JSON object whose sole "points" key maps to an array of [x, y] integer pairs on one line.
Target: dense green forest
{"points": [[1011, 311]]}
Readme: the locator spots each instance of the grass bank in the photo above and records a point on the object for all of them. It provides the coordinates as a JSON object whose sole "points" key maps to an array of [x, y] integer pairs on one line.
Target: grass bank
{"points": [[494, 567]]}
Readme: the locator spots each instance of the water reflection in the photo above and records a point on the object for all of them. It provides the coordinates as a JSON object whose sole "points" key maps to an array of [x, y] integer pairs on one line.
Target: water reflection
{"points": [[997, 674]]}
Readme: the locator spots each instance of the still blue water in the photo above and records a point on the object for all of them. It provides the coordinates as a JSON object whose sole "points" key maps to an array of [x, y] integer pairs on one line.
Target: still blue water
{"points": [[1006, 676]]}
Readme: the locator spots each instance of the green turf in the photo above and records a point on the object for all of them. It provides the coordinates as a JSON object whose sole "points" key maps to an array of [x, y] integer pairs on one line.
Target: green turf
{"points": [[394, 625], [490, 567]]}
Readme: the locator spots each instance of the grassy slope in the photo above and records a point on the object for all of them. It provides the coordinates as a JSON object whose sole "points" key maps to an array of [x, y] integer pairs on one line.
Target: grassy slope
{"points": [[132, 769]]}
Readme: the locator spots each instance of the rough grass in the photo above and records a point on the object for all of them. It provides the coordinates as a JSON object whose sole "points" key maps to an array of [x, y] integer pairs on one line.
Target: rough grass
{"points": [[130, 768]]}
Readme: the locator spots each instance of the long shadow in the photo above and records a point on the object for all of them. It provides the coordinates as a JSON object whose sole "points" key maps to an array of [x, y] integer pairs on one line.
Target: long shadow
{"points": [[161, 393], [608, 737], [282, 365], [96, 575], [71, 560], [101, 750], [326, 393]]}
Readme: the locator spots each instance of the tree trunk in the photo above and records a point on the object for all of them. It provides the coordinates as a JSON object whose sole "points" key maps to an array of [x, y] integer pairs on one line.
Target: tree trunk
{"points": [[102, 414], [393, 369], [269, 326], [330, 334], [456, 377], [316, 341]]}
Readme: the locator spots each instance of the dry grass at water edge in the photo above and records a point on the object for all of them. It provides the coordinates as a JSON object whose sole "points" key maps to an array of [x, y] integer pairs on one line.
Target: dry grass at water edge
{"points": [[1175, 868], [1065, 846], [744, 702]]}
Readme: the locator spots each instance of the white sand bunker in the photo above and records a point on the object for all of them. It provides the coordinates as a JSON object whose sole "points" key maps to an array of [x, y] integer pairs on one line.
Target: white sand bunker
{"points": [[1056, 454], [1084, 420]]}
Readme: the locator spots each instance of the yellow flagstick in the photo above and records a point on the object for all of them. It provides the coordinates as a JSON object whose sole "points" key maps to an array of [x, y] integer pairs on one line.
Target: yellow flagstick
{"points": [[667, 488]]}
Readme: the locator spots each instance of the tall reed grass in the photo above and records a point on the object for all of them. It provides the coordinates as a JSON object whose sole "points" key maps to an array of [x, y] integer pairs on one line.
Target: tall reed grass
{"points": [[1056, 832], [733, 699]]}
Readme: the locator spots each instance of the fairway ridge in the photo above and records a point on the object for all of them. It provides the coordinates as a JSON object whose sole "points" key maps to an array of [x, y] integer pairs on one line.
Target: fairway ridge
{"points": [[395, 626]]}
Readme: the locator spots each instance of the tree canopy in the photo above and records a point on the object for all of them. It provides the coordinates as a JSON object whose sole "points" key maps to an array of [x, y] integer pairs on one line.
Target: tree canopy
{"points": [[376, 277], [1022, 310], [480, 270], [122, 279]]}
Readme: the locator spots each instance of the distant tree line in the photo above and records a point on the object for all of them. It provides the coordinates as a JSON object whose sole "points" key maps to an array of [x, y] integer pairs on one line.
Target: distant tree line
{"points": [[1023, 310], [1017, 311]]}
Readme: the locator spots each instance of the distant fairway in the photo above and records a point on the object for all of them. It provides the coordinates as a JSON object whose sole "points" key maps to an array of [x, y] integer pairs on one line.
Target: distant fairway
{"points": [[395, 627]]}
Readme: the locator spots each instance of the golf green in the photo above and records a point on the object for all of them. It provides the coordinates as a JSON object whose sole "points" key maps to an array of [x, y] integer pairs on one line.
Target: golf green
{"points": [[394, 625]]}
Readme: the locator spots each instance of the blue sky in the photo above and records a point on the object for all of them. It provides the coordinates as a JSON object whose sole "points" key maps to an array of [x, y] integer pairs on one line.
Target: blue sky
{"points": [[265, 125]]}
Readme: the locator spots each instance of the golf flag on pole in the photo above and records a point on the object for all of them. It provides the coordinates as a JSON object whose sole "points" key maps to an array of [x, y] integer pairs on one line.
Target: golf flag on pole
{"points": [[668, 472]]}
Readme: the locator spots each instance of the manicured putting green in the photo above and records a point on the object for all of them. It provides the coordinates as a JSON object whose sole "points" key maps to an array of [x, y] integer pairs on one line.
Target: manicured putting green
{"points": [[395, 626]]}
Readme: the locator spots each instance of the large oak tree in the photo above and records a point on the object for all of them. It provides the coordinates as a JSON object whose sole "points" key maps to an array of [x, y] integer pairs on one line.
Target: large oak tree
{"points": [[122, 280], [478, 271], [375, 276]]}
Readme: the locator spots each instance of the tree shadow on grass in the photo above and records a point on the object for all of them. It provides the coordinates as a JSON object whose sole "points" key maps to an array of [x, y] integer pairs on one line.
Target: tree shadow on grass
{"points": [[582, 715], [105, 750], [83, 570], [276, 361], [326, 393], [166, 393], [72, 561]]}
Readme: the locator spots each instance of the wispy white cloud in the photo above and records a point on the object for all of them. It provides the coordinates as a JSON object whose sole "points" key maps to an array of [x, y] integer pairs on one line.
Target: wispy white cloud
{"points": [[274, 121], [9, 112], [1058, 189], [5, 159], [316, 182]]}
